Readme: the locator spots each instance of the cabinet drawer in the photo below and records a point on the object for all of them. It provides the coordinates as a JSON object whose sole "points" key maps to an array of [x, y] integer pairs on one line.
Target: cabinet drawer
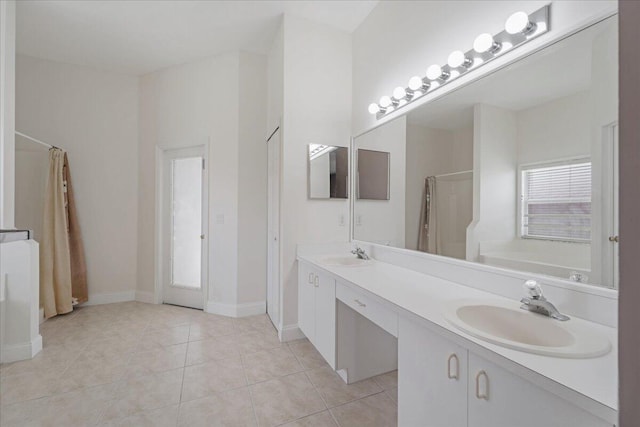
{"points": [[379, 314]]}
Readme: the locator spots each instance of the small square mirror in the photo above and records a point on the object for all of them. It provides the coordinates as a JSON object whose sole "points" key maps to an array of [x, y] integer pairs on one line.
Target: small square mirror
{"points": [[328, 172]]}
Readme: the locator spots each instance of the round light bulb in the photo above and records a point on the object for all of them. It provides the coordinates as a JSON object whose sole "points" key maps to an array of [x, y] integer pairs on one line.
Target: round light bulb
{"points": [[399, 93], [517, 23], [385, 101], [434, 72], [483, 43], [456, 59], [415, 83], [374, 108]]}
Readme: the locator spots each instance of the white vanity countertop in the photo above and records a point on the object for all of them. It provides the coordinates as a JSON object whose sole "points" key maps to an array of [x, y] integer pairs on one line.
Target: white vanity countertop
{"points": [[425, 296]]}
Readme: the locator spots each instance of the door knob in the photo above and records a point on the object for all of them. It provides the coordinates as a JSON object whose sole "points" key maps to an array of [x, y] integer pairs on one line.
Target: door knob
{"points": [[202, 237], [615, 239]]}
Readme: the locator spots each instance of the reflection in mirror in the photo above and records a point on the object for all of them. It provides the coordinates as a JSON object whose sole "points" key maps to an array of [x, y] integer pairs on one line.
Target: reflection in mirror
{"points": [[328, 172], [517, 169], [373, 174]]}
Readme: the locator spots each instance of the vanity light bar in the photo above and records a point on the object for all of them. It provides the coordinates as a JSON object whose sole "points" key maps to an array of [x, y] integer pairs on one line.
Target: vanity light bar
{"points": [[519, 29], [317, 150]]}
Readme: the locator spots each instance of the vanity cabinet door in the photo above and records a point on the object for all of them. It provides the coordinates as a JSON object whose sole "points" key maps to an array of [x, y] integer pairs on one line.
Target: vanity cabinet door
{"points": [[325, 318], [306, 300], [432, 379], [499, 398]]}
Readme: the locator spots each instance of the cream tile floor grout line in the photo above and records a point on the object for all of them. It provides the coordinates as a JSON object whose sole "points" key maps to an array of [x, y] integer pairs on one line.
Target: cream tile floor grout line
{"points": [[143, 364], [246, 378]]}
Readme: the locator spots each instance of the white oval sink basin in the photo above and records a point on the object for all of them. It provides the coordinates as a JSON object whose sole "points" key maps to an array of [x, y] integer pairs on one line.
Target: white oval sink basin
{"points": [[344, 261], [505, 324]]}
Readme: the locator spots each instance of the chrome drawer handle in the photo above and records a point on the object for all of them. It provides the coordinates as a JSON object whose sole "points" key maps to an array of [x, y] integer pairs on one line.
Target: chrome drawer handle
{"points": [[360, 303], [484, 395], [456, 375]]}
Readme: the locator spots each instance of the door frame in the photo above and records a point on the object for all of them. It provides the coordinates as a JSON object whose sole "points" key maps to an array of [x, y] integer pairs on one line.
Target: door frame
{"points": [[158, 291], [279, 285]]}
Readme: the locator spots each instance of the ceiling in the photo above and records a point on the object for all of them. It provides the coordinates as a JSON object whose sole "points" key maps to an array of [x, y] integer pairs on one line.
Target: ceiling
{"points": [[137, 37]]}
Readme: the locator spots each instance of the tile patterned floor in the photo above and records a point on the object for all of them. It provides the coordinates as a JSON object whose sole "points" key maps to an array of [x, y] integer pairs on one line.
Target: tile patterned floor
{"points": [[135, 364]]}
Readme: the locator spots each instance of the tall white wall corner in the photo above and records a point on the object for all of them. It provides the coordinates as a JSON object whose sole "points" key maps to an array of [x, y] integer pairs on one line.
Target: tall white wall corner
{"points": [[236, 310], [21, 308], [290, 333], [7, 112]]}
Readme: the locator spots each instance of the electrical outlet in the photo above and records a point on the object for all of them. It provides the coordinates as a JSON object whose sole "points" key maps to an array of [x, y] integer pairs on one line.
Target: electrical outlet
{"points": [[341, 220], [220, 219]]}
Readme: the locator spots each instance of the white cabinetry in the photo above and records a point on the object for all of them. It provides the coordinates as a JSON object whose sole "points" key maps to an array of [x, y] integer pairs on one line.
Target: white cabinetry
{"points": [[442, 384], [499, 398], [317, 310], [432, 379]]}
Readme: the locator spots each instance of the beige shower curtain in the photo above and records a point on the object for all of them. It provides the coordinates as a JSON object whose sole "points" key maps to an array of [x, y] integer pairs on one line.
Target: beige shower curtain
{"points": [[427, 238], [62, 264]]}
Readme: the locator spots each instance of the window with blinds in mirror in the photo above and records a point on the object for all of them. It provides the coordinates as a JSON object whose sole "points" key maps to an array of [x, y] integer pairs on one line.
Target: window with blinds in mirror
{"points": [[556, 201]]}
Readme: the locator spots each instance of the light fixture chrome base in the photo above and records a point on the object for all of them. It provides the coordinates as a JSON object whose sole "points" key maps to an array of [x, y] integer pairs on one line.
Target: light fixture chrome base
{"points": [[539, 24]]}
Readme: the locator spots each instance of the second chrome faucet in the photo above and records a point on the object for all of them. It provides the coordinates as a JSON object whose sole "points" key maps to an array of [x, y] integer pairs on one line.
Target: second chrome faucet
{"points": [[537, 303]]}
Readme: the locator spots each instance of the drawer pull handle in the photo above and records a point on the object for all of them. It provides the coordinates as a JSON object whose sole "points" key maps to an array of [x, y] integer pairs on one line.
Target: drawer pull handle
{"points": [[311, 278], [456, 374], [360, 303], [316, 281], [485, 395]]}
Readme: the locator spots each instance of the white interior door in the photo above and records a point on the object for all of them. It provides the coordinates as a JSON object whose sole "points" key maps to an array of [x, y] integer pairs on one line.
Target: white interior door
{"points": [[609, 234], [184, 222], [614, 215], [273, 221]]}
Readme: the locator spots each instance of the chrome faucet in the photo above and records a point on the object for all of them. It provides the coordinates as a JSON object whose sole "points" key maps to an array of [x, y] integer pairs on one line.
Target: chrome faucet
{"points": [[537, 303], [360, 253]]}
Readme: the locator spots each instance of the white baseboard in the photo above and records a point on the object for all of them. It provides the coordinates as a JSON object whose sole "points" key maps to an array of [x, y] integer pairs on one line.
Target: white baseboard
{"points": [[236, 310], [290, 333], [144, 296], [98, 299], [24, 351]]}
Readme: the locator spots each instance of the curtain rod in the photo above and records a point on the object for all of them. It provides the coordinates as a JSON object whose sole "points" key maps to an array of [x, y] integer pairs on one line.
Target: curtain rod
{"points": [[452, 173], [36, 140]]}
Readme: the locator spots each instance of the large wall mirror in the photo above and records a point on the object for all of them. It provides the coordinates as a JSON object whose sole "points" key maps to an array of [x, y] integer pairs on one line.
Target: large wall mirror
{"points": [[517, 169], [328, 172]]}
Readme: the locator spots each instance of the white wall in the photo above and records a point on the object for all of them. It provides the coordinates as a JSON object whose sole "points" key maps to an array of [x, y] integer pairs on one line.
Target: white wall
{"points": [[319, 179], [555, 130], [93, 116], [494, 177], [32, 170], [219, 100], [400, 39], [7, 111], [428, 153], [316, 109], [383, 221], [252, 180]]}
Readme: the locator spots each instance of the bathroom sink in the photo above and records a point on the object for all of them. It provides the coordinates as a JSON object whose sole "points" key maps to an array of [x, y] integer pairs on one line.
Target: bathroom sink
{"points": [[345, 261], [505, 324]]}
